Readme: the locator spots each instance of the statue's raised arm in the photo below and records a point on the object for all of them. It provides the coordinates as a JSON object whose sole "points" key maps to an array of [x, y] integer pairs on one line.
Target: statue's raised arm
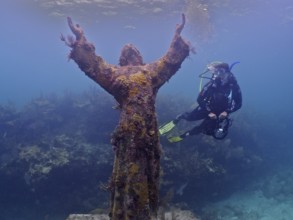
{"points": [[83, 53], [170, 63]]}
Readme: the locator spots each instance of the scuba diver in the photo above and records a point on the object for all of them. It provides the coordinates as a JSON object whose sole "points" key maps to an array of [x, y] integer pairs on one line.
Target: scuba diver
{"points": [[217, 99]]}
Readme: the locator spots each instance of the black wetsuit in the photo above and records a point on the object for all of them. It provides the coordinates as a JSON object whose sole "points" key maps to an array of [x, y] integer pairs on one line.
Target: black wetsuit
{"points": [[214, 98]]}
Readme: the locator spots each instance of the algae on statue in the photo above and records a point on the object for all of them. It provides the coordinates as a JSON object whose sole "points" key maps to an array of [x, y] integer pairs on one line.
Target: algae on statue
{"points": [[134, 183]]}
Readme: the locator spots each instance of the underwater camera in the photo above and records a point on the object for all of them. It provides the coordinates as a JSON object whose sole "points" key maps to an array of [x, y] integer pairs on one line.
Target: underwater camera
{"points": [[221, 130], [217, 128]]}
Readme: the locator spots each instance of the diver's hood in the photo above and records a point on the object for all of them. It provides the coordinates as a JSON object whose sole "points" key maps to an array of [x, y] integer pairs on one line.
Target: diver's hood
{"points": [[218, 67], [220, 72]]}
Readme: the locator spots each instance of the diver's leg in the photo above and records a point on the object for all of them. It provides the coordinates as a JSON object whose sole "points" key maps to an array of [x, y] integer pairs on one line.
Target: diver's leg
{"points": [[197, 129], [194, 115], [197, 114], [194, 131]]}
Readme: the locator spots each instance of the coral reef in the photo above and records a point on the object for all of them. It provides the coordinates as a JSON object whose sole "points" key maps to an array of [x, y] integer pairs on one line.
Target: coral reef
{"points": [[69, 159], [58, 167]]}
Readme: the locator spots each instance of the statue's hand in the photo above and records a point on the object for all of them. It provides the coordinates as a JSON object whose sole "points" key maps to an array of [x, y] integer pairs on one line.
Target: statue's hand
{"points": [[76, 29], [180, 27]]}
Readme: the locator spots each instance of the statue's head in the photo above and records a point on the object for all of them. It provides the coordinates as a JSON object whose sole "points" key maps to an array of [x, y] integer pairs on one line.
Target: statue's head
{"points": [[130, 56]]}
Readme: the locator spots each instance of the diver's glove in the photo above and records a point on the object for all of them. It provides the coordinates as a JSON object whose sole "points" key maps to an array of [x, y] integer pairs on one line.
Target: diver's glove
{"points": [[223, 115], [212, 115]]}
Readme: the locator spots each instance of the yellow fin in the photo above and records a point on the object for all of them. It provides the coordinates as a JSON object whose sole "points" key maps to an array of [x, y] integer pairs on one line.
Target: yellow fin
{"points": [[166, 128], [175, 139]]}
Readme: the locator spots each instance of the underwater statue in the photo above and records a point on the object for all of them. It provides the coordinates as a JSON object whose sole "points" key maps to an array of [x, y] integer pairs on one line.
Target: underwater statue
{"points": [[134, 184]]}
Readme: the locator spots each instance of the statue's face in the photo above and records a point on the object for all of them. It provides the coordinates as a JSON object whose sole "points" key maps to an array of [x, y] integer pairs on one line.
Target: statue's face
{"points": [[130, 56]]}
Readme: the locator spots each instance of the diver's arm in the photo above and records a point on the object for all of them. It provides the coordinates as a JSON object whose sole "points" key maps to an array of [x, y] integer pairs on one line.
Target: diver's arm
{"points": [[204, 95], [171, 62], [236, 101]]}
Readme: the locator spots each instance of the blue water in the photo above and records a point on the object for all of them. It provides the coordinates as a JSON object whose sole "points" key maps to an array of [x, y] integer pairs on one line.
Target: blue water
{"points": [[258, 33]]}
